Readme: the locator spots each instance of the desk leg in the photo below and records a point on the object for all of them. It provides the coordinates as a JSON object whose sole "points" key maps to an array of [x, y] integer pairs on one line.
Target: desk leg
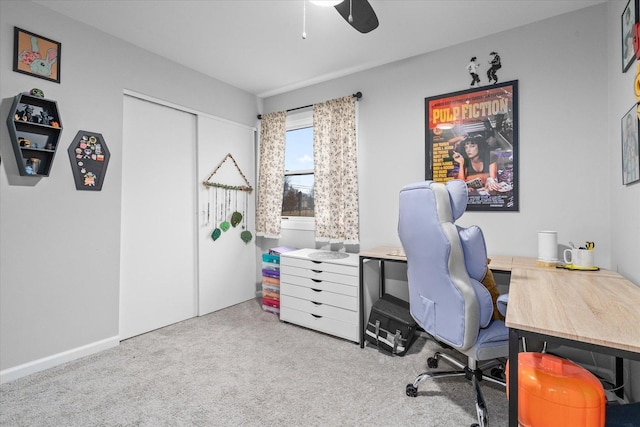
{"points": [[619, 377], [381, 279], [514, 348], [361, 298]]}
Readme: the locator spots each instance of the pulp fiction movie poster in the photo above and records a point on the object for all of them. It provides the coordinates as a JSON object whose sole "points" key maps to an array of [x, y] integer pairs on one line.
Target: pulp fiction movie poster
{"points": [[473, 135]]}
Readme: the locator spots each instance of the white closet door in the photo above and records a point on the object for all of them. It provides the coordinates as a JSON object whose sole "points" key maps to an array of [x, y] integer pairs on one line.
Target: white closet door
{"points": [[158, 236], [227, 266]]}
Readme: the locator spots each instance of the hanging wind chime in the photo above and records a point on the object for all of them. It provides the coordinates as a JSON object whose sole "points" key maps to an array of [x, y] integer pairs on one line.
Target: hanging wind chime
{"points": [[222, 203]]}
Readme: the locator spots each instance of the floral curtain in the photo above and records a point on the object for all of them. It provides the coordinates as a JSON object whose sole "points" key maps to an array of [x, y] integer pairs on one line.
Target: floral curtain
{"points": [[336, 171], [271, 174]]}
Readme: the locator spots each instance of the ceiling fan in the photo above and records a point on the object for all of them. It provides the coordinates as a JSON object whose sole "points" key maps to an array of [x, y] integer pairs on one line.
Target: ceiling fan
{"points": [[358, 13]]}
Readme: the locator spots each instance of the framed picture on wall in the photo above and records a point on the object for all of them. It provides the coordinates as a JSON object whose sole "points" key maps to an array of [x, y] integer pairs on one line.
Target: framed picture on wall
{"points": [[629, 19], [630, 148], [35, 55], [473, 135]]}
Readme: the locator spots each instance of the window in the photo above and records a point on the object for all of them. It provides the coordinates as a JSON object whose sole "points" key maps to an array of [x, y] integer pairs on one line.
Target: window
{"points": [[298, 173], [297, 200]]}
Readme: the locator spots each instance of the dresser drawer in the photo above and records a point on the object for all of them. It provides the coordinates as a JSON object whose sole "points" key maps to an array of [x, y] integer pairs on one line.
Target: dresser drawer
{"points": [[320, 266], [321, 275], [322, 310], [319, 296], [323, 324], [324, 285]]}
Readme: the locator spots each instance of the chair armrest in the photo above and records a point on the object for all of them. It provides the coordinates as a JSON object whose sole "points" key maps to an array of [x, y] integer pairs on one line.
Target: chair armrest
{"points": [[502, 302], [485, 303]]}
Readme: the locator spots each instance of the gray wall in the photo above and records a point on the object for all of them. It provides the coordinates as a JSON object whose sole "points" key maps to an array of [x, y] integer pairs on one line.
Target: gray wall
{"points": [[572, 97], [563, 93], [625, 200], [60, 248]]}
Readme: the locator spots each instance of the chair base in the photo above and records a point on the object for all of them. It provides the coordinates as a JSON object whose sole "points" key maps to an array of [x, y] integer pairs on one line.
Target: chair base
{"points": [[470, 372]]}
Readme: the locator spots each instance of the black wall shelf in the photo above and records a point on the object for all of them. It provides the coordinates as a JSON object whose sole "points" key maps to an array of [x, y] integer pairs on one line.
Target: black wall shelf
{"points": [[35, 129]]}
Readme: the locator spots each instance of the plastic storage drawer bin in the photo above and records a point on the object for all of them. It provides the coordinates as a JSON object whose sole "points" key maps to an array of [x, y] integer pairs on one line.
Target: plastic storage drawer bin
{"points": [[271, 259], [270, 266], [555, 392]]}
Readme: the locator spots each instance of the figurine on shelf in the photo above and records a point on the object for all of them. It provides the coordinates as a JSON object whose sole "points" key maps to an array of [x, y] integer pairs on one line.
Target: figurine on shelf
{"points": [[495, 64], [472, 68], [45, 118], [25, 115]]}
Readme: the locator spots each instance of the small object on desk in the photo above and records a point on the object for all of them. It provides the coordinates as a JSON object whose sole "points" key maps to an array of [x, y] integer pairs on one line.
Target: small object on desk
{"points": [[397, 252], [589, 245], [547, 246], [577, 268], [541, 263]]}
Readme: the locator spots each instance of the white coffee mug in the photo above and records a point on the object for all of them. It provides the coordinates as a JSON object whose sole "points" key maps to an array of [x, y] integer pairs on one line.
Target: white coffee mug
{"points": [[582, 258]]}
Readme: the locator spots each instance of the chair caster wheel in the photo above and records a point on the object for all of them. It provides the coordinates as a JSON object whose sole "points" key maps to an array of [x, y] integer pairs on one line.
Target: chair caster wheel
{"points": [[497, 373], [432, 362], [412, 391]]}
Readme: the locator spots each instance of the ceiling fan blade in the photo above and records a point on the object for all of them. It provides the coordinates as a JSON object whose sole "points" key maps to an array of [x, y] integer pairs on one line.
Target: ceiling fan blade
{"points": [[364, 18]]}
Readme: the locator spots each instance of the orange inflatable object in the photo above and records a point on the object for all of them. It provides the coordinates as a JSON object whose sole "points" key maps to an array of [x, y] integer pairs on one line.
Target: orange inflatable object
{"points": [[553, 391]]}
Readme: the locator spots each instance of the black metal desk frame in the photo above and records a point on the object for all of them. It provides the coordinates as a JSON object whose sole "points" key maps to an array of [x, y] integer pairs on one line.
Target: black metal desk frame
{"points": [[381, 261]]}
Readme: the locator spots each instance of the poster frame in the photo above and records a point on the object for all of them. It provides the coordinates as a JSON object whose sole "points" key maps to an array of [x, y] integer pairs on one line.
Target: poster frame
{"points": [[490, 113]]}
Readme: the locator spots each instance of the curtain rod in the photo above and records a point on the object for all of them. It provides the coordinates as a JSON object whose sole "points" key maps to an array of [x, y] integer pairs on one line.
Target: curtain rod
{"points": [[356, 95]]}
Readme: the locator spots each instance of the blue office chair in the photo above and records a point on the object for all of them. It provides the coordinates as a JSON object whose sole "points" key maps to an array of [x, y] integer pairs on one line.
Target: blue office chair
{"points": [[445, 267]]}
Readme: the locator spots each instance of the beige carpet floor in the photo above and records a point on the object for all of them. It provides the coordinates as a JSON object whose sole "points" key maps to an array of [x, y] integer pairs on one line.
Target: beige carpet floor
{"points": [[241, 366]]}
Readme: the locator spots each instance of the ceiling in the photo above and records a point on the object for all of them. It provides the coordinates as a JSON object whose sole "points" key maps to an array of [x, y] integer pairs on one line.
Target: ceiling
{"points": [[257, 45]]}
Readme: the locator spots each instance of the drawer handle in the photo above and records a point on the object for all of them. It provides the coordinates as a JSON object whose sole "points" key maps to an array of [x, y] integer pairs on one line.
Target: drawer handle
{"points": [[316, 262], [316, 290], [316, 316], [316, 280], [316, 303], [317, 271]]}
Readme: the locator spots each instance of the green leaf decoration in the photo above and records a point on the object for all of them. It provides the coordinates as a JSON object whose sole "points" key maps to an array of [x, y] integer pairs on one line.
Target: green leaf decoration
{"points": [[236, 217], [216, 233], [225, 225], [246, 236]]}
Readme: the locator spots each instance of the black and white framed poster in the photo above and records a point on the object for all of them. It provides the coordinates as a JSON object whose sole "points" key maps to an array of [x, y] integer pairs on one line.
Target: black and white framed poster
{"points": [[628, 23], [630, 150]]}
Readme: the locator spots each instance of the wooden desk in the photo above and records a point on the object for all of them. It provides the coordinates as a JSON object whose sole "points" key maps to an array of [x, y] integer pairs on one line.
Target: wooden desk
{"points": [[500, 263], [591, 310], [595, 311]]}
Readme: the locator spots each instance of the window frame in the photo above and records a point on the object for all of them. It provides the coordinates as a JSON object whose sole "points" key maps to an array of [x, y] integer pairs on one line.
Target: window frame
{"points": [[299, 120]]}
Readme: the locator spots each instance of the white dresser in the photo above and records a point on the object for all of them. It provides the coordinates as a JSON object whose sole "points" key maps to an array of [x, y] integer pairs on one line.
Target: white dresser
{"points": [[319, 290]]}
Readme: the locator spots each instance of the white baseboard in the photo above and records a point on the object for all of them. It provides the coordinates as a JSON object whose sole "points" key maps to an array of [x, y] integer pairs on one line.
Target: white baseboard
{"points": [[10, 374]]}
